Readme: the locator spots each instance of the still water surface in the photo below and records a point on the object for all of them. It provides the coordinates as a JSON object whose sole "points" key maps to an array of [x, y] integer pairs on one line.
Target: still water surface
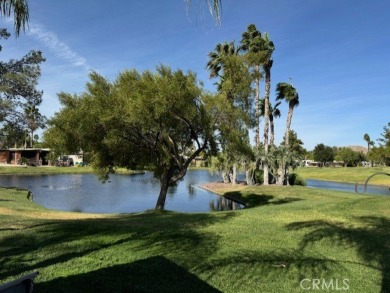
{"points": [[348, 187], [123, 194], [137, 193]]}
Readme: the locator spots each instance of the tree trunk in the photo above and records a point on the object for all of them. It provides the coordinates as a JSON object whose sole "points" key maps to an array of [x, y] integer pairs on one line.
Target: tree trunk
{"points": [[288, 125], [225, 177], [164, 181], [234, 177], [257, 108], [272, 133], [280, 179], [249, 176], [32, 138], [266, 120], [286, 176]]}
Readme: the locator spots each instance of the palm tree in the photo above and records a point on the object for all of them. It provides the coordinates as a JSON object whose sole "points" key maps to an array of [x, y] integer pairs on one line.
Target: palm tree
{"points": [[285, 91], [259, 50], [215, 7], [234, 86], [34, 120], [367, 138], [274, 112], [19, 8], [217, 58], [224, 63], [252, 45], [267, 65]]}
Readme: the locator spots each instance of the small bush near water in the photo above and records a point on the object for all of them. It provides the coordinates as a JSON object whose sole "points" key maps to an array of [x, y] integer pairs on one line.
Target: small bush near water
{"points": [[295, 179]]}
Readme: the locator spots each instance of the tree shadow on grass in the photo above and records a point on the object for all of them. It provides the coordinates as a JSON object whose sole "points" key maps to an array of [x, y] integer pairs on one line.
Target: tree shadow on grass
{"points": [[125, 238], [253, 199], [153, 274], [372, 240], [277, 271]]}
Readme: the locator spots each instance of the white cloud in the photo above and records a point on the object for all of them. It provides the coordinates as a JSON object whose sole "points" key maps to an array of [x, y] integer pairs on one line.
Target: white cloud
{"points": [[58, 47]]}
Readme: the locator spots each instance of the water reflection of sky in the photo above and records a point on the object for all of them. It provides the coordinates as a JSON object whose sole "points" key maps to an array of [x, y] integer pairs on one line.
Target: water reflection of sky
{"points": [[348, 187], [122, 194]]}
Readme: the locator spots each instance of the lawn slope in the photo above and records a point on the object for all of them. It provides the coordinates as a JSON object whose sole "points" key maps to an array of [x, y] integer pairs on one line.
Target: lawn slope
{"points": [[287, 235]]}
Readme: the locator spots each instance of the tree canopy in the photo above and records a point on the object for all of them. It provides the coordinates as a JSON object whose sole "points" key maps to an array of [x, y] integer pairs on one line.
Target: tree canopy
{"points": [[154, 120], [19, 97], [323, 153]]}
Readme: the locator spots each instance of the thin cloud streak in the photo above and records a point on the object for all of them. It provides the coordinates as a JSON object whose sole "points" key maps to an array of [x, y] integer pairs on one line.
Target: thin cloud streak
{"points": [[59, 48]]}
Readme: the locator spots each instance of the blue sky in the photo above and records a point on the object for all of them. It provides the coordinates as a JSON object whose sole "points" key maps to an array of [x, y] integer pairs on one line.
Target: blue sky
{"points": [[336, 52]]}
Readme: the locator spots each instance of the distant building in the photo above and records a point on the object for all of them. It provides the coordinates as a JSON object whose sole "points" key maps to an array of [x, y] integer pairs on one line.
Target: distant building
{"points": [[29, 156], [310, 163]]}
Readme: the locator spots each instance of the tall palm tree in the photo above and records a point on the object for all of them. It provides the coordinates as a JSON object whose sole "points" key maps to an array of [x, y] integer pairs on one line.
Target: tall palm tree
{"points": [[19, 8], [285, 91], [252, 45], [220, 65], [367, 138], [217, 58], [260, 48], [274, 112], [234, 86], [268, 49], [33, 120]]}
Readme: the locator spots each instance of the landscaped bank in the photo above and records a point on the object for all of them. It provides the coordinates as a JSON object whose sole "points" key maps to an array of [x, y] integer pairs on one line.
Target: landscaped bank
{"points": [[292, 239]]}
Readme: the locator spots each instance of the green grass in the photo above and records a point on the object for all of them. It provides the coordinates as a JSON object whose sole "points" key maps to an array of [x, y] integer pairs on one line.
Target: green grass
{"points": [[350, 175], [288, 234]]}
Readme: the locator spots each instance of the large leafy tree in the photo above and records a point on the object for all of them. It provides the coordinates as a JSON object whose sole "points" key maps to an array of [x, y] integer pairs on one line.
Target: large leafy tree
{"points": [[18, 81], [233, 104], [385, 136], [381, 154], [12, 135], [151, 119], [323, 153], [18, 9], [349, 157], [287, 92]]}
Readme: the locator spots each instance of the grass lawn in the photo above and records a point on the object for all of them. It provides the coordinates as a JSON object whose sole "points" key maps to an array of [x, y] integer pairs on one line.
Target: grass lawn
{"points": [[288, 235], [350, 175]]}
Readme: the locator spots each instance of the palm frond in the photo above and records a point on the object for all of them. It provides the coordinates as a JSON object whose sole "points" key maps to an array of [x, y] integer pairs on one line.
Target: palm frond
{"points": [[19, 8]]}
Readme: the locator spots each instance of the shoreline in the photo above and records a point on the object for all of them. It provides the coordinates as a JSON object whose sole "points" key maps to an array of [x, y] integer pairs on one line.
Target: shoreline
{"points": [[220, 188]]}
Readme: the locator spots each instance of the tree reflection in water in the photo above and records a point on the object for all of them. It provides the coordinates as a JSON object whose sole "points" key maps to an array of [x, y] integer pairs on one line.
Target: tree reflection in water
{"points": [[225, 204]]}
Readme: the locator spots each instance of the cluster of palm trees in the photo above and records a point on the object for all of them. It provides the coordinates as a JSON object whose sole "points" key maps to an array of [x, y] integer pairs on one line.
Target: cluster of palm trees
{"points": [[255, 51]]}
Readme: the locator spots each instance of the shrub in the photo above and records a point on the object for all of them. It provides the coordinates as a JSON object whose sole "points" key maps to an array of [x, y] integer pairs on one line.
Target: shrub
{"points": [[259, 177], [295, 179]]}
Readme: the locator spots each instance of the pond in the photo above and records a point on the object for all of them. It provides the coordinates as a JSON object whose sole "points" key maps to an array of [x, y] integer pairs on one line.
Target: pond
{"points": [[349, 187], [122, 194]]}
